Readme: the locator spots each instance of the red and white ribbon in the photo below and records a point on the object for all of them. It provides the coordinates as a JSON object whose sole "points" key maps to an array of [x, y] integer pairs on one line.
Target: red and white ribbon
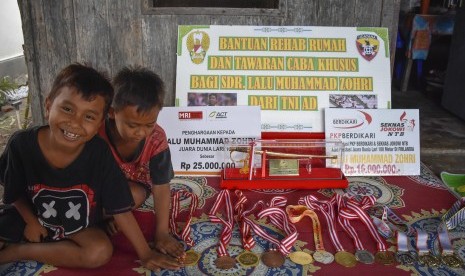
{"points": [[176, 209], [247, 240], [327, 208], [223, 198], [351, 209]]}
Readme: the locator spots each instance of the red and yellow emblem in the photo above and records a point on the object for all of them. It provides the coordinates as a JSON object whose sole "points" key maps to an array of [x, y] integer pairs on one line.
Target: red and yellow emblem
{"points": [[197, 44], [367, 46]]}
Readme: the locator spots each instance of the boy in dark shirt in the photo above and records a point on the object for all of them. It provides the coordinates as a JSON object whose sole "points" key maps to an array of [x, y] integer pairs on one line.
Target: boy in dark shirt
{"points": [[59, 177], [140, 147]]}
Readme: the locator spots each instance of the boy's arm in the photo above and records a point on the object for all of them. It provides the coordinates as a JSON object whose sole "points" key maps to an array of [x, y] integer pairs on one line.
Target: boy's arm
{"points": [[161, 197], [34, 231], [149, 259]]}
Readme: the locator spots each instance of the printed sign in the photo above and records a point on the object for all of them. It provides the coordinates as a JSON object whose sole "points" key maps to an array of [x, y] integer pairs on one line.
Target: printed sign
{"points": [[197, 135], [292, 73], [376, 142]]}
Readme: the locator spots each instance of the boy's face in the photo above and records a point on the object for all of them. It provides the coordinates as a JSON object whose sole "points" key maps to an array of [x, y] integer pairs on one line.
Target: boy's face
{"points": [[133, 126], [73, 120]]}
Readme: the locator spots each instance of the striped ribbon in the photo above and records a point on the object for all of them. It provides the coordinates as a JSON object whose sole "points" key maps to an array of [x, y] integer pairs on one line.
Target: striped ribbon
{"points": [[247, 240], [327, 208], [226, 235], [176, 209], [455, 215], [278, 217], [356, 210], [394, 222]]}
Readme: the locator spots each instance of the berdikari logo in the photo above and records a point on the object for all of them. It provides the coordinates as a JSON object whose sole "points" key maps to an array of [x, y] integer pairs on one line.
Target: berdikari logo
{"points": [[359, 121], [218, 115]]}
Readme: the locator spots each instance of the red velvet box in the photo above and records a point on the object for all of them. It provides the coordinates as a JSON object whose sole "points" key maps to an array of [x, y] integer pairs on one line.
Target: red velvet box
{"points": [[284, 163]]}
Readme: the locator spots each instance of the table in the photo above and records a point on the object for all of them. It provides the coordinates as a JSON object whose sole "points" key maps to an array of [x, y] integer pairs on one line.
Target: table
{"points": [[419, 200], [419, 39]]}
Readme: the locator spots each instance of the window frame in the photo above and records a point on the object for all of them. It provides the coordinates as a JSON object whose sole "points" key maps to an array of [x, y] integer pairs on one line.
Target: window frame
{"points": [[147, 8]]}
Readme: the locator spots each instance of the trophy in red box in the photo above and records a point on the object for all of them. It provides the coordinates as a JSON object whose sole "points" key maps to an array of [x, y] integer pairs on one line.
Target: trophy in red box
{"points": [[284, 163]]}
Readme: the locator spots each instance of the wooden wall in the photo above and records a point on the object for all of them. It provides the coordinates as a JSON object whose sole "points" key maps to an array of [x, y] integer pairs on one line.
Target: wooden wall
{"points": [[110, 34]]}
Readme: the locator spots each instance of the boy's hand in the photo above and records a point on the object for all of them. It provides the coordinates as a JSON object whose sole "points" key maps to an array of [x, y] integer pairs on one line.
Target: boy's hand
{"points": [[155, 261], [35, 232], [166, 244]]}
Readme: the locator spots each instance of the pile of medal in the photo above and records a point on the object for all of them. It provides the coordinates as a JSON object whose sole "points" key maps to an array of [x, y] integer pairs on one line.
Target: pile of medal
{"points": [[339, 211]]}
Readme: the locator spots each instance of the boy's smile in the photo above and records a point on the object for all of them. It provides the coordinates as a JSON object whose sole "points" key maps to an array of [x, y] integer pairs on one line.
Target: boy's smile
{"points": [[73, 120]]}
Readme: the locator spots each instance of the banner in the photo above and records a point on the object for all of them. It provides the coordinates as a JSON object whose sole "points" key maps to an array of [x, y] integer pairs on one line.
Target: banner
{"points": [[377, 142], [292, 73], [197, 135]]}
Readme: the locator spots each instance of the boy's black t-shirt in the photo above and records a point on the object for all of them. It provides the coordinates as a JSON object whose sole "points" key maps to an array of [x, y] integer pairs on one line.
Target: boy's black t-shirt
{"points": [[69, 199]]}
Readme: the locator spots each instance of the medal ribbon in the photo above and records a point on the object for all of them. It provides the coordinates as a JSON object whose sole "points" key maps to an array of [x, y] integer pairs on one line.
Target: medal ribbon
{"points": [[455, 215], [393, 222], [444, 240], [327, 208], [176, 209], [278, 217], [422, 242], [226, 235], [356, 210], [247, 240], [402, 241]]}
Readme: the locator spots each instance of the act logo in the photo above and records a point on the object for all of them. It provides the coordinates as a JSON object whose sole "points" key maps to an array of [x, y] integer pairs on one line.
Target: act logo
{"points": [[218, 115], [367, 46], [197, 44]]}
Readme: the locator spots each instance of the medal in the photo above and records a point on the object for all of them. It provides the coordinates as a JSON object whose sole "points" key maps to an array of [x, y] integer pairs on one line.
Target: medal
{"points": [[345, 258], [364, 256], [385, 257], [351, 209], [406, 258], [273, 258], [295, 214], [403, 255], [301, 258], [225, 262], [450, 220], [429, 260], [323, 257], [327, 208], [424, 255], [248, 259], [191, 258], [452, 260]]}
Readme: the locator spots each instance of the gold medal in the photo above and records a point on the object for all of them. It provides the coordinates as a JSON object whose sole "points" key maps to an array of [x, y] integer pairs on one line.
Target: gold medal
{"points": [[452, 260], [300, 257], [191, 258], [248, 259], [345, 259]]}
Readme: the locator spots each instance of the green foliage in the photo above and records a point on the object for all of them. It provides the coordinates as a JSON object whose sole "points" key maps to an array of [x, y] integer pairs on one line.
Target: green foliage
{"points": [[6, 86]]}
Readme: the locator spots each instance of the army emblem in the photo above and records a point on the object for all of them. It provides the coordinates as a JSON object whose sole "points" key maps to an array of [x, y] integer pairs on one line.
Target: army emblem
{"points": [[367, 46], [197, 44]]}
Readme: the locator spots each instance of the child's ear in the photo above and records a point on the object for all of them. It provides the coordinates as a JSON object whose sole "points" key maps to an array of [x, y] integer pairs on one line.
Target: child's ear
{"points": [[111, 113], [47, 105]]}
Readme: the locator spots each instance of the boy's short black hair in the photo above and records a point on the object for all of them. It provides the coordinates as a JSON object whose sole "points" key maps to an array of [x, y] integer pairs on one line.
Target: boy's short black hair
{"points": [[138, 86], [88, 81]]}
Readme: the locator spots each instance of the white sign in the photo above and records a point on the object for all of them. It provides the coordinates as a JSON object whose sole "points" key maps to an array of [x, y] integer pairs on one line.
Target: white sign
{"points": [[291, 72], [197, 135], [377, 142]]}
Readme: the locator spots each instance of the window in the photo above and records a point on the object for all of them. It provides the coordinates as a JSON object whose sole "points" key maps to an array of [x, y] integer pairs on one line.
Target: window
{"points": [[215, 7]]}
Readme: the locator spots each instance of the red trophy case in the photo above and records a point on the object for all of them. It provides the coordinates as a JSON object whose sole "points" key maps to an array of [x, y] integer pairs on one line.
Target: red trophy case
{"points": [[283, 164]]}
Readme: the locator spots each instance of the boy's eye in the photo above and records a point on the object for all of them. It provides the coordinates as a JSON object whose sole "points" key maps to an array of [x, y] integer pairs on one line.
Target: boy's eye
{"points": [[90, 118], [66, 109]]}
